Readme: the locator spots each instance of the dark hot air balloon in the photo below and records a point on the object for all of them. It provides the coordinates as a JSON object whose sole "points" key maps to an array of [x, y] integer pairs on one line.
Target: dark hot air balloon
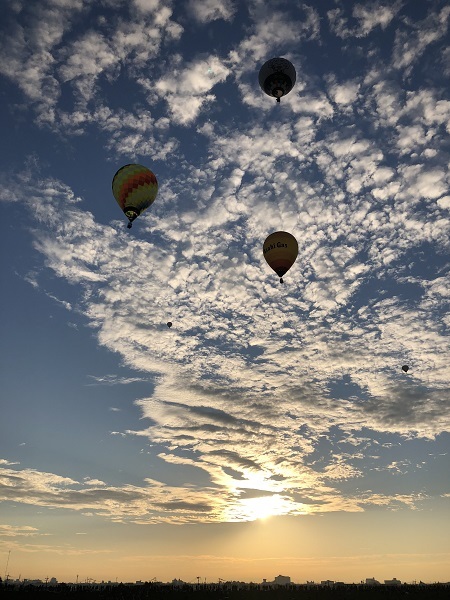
{"points": [[135, 188], [280, 251], [277, 77], [405, 368], [169, 324]]}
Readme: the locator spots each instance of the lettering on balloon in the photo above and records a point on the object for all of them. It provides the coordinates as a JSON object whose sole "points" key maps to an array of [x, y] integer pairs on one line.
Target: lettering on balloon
{"points": [[272, 246]]}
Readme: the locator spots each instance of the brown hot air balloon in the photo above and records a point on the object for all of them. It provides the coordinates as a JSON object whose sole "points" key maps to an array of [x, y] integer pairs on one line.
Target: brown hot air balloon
{"points": [[280, 251]]}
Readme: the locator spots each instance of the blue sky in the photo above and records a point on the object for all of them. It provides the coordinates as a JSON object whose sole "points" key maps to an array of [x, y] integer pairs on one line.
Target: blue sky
{"points": [[271, 429]]}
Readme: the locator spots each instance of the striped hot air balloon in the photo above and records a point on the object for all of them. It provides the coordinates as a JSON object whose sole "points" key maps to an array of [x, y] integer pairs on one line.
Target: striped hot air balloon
{"points": [[280, 251], [135, 188]]}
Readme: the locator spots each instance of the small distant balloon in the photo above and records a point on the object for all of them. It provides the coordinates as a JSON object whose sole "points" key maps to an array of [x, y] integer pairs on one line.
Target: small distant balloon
{"points": [[405, 368], [280, 251], [134, 188], [169, 324], [277, 77]]}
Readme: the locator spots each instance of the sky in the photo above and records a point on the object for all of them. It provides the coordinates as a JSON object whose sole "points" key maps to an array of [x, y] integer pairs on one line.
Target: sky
{"points": [[271, 430]]}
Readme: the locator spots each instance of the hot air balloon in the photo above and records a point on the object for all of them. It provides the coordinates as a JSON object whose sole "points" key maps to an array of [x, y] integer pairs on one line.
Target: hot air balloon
{"points": [[277, 77], [135, 188], [169, 324], [280, 251], [405, 368]]}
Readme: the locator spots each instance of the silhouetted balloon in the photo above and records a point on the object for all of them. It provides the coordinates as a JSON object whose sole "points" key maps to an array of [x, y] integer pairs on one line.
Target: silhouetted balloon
{"points": [[135, 188], [277, 77], [169, 324], [280, 251], [405, 368]]}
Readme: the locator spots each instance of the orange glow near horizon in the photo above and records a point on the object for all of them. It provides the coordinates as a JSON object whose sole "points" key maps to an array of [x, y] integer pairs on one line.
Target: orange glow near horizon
{"points": [[349, 548]]}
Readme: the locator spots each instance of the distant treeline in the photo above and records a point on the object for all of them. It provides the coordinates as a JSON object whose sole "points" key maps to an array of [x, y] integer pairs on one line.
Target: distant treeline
{"points": [[153, 591]]}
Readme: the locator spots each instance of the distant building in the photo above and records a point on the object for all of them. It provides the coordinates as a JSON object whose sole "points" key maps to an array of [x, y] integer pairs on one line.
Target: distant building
{"points": [[327, 582], [372, 581], [279, 580], [394, 581], [282, 580]]}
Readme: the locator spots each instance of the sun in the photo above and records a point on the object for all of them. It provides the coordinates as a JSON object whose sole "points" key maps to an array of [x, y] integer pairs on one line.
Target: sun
{"points": [[264, 507]]}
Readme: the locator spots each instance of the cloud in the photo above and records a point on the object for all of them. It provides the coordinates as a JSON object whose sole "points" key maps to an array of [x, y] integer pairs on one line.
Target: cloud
{"points": [[27, 51], [114, 380], [411, 42], [206, 11], [270, 393], [147, 6], [93, 482], [12, 531], [186, 88], [42, 67], [152, 502], [368, 16], [242, 378]]}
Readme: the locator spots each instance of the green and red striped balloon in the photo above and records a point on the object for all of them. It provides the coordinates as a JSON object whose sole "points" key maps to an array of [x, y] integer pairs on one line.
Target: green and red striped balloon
{"points": [[135, 188]]}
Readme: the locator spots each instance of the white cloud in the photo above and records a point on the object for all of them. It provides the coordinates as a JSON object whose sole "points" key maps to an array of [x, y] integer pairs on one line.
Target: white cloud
{"points": [[269, 28], [147, 6], [36, 60], [186, 88], [375, 14], [344, 93], [88, 56], [444, 202], [206, 11], [115, 380], [93, 482], [27, 52], [12, 531], [369, 16], [411, 43]]}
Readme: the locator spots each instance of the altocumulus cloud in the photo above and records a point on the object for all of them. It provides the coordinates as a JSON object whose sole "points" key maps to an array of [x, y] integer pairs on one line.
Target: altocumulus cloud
{"points": [[249, 365], [253, 380]]}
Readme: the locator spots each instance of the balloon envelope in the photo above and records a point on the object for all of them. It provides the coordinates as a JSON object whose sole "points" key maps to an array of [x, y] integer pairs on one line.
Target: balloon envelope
{"points": [[280, 251], [135, 188], [169, 324], [277, 77], [405, 368]]}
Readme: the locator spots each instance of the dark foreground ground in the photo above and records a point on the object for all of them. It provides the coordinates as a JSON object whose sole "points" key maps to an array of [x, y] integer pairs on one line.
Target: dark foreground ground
{"points": [[154, 592]]}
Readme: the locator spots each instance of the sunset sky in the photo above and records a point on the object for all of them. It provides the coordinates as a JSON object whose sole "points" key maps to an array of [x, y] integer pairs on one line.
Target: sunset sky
{"points": [[271, 430]]}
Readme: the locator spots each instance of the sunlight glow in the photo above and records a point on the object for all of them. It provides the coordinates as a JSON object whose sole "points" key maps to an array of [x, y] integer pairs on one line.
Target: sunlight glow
{"points": [[263, 507]]}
